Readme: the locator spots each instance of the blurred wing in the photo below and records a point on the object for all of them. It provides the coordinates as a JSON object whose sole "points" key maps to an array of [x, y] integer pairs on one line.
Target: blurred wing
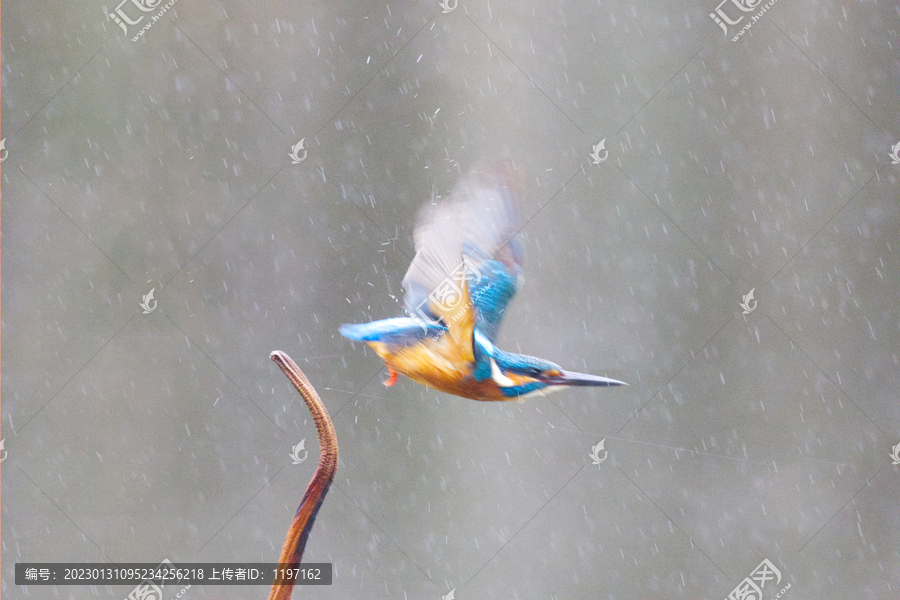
{"points": [[466, 246]]}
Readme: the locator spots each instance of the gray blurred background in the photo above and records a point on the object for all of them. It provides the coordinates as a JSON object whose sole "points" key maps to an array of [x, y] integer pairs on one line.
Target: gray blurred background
{"points": [[163, 164]]}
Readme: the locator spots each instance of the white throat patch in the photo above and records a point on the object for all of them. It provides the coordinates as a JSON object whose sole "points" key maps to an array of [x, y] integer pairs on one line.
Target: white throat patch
{"points": [[498, 377]]}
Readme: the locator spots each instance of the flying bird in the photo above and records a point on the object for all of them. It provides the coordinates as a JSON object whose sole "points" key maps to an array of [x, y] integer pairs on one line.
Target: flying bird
{"points": [[467, 268]]}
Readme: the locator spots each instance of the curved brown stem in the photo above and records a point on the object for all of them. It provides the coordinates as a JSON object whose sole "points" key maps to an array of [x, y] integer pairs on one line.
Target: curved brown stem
{"points": [[295, 542]]}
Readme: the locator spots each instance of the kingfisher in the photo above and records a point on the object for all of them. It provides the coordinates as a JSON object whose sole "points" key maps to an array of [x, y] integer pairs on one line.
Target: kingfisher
{"points": [[466, 270]]}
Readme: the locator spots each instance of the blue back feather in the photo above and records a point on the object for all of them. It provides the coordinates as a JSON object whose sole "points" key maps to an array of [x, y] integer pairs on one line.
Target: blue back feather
{"points": [[402, 331]]}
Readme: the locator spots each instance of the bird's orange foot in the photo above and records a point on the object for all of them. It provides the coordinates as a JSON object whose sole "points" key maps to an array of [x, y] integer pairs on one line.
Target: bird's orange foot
{"points": [[392, 378]]}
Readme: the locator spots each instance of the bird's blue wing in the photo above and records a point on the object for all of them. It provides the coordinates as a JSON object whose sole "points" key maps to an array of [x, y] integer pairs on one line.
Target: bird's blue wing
{"points": [[467, 246], [491, 295], [392, 332]]}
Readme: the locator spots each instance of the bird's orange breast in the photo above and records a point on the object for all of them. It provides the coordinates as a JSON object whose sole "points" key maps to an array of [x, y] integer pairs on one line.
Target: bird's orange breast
{"points": [[442, 365]]}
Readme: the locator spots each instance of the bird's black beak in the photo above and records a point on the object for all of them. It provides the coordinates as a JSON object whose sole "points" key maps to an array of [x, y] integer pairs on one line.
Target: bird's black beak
{"points": [[580, 379]]}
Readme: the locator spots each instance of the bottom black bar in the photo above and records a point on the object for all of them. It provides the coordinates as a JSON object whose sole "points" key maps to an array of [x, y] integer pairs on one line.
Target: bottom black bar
{"points": [[168, 573]]}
